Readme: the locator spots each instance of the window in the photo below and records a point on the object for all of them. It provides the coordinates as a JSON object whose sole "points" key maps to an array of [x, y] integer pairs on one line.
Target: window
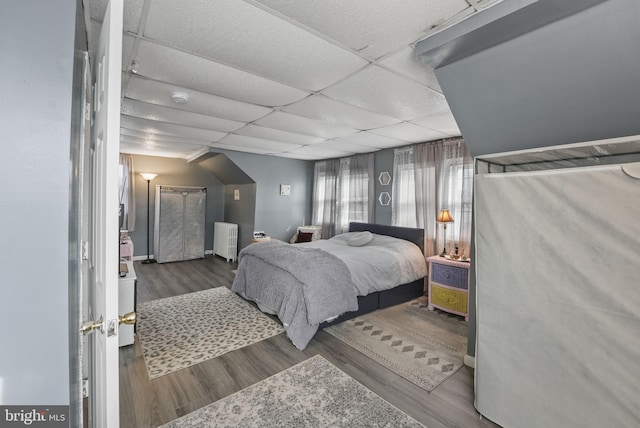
{"points": [[342, 193], [430, 177]]}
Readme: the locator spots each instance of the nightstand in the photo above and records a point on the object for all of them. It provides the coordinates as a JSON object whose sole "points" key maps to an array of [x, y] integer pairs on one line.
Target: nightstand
{"points": [[449, 285]]}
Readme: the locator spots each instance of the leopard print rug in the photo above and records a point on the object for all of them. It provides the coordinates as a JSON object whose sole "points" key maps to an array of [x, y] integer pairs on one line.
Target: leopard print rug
{"points": [[178, 332]]}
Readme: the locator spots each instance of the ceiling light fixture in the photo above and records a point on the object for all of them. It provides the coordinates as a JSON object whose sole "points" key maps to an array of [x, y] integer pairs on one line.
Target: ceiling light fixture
{"points": [[179, 97]]}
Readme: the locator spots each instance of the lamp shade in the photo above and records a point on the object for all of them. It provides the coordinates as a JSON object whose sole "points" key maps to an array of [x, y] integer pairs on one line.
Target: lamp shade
{"points": [[444, 217], [148, 175]]}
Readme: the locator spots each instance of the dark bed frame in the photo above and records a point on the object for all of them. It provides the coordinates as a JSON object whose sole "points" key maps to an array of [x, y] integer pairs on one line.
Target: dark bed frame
{"points": [[386, 298]]}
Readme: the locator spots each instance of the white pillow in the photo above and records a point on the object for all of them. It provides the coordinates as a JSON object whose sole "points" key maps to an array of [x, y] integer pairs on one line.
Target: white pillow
{"points": [[358, 239]]}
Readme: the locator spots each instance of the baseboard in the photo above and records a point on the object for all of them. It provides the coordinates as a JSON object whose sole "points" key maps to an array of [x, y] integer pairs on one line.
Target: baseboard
{"points": [[470, 361], [140, 258]]}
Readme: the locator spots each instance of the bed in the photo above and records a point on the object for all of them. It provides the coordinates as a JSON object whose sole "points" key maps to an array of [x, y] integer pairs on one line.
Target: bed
{"points": [[316, 284]]}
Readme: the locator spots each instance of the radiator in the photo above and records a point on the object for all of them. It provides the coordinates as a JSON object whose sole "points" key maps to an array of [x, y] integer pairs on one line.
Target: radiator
{"points": [[225, 240]]}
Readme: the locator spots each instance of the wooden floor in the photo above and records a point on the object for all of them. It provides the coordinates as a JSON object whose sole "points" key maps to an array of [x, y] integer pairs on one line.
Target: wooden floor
{"points": [[145, 403]]}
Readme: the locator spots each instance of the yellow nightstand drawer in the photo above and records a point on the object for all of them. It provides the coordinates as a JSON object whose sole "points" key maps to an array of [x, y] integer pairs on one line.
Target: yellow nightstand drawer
{"points": [[451, 299]]}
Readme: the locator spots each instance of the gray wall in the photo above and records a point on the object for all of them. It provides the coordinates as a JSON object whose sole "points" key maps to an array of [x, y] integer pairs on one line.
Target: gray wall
{"points": [[242, 211], [172, 172], [383, 162], [571, 81], [278, 216], [37, 46]]}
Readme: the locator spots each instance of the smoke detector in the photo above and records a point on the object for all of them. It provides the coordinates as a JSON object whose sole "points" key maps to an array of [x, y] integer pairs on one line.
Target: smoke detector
{"points": [[179, 97]]}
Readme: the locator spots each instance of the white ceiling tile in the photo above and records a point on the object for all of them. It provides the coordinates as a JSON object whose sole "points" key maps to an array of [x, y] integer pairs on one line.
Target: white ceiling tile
{"points": [[155, 127], [170, 115], [93, 34], [234, 140], [443, 122], [197, 73], [387, 93], [155, 92], [158, 144], [371, 140], [410, 133], [406, 63], [157, 148], [302, 125], [373, 27], [257, 150], [318, 152], [298, 156], [256, 73], [165, 153], [292, 55], [161, 137], [278, 135], [132, 13], [332, 111], [345, 146], [127, 51]]}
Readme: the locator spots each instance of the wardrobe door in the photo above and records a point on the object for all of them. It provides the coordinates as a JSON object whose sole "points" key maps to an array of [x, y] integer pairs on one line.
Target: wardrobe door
{"points": [[170, 226], [195, 204]]}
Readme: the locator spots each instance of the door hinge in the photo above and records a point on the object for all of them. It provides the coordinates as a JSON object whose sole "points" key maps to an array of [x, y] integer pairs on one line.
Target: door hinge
{"points": [[87, 111], [85, 388], [84, 250]]}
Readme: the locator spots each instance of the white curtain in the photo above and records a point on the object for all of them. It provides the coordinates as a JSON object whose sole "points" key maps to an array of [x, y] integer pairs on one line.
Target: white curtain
{"points": [[127, 192], [428, 178], [343, 192]]}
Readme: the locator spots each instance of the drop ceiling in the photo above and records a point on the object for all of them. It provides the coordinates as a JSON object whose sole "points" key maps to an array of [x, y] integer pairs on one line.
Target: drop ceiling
{"points": [[299, 79]]}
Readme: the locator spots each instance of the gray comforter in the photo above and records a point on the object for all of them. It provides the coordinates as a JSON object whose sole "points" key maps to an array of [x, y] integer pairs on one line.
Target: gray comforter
{"points": [[303, 286]]}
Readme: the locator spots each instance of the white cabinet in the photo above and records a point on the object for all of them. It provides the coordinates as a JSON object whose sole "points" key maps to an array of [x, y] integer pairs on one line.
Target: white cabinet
{"points": [[127, 303]]}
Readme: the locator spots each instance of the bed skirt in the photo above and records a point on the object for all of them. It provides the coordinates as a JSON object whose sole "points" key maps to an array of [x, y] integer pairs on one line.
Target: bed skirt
{"points": [[381, 300]]}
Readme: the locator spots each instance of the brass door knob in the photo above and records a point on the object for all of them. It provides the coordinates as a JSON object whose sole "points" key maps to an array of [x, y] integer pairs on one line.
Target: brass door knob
{"points": [[90, 326], [128, 318]]}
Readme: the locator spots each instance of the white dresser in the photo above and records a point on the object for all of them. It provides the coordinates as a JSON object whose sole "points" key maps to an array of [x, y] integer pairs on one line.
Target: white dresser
{"points": [[127, 303]]}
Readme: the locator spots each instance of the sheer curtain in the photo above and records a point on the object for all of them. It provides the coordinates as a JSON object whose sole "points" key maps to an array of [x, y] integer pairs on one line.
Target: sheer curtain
{"points": [[127, 192], [430, 177], [343, 192]]}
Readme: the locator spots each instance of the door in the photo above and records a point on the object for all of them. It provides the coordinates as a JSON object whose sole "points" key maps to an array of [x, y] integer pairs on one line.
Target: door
{"points": [[103, 248], [195, 204]]}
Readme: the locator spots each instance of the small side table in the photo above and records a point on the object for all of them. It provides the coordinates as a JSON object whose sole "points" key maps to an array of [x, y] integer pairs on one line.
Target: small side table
{"points": [[449, 285], [263, 239]]}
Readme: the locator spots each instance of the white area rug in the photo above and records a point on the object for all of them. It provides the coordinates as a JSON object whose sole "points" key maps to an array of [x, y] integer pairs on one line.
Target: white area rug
{"points": [[313, 393], [424, 347], [181, 331]]}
